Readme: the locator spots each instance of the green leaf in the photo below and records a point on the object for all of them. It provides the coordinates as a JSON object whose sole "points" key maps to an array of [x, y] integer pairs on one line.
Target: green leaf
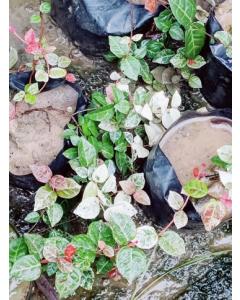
{"points": [[123, 228], [75, 140], [51, 268], [172, 243], [56, 242], [131, 263], [145, 72], [121, 144], [140, 52], [87, 279], [30, 99], [97, 144], [45, 7], [35, 243], [19, 96], [196, 188], [224, 37], [35, 19], [118, 94], [138, 179], [55, 213], [67, 283], [71, 153], [186, 73], [178, 61], [122, 162], [194, 39], [56, 73], [100, 231], [13, 57], [64, 62], [110, 57], [146, 237], [176, 32], [119, 46], [195, 82], [17, 249], [115, 136], [103, 113], [104, 265], [130, 66], [52, 59], [229, 51], [41, 76], [196, 63], [87, 153], [219, 163], [122, 106], [164, 56], [164, 20], [32, 217], [107, 147], [98, 98], [44, 197], [93, 128], [86, 248], [70, 190], [33, 89], [68, 133], [184, 11], [26, 268], [132, 120], [153, 48]]}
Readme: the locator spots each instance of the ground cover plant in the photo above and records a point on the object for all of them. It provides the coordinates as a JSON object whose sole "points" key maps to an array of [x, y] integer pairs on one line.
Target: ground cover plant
{"points": [[110, 140]]}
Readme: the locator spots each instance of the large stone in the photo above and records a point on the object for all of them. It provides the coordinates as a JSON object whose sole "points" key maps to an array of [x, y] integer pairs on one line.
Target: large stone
{"points": [[36, 133]]}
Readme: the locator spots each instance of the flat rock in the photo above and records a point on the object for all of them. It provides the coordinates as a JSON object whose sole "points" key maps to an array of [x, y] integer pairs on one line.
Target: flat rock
{"points": [[36, 133]]}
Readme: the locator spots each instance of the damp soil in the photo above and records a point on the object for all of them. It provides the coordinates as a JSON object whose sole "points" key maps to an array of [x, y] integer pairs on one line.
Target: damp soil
{"points": [[205, 281]]}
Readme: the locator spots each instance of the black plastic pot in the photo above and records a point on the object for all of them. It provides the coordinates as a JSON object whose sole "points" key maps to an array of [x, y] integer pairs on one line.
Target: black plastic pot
{"points": [[216, 75], [161, 177], [88, 22]]}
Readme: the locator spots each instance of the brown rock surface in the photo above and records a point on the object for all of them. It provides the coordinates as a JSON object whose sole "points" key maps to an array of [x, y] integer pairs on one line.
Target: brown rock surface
{"points": [[36, 134]]}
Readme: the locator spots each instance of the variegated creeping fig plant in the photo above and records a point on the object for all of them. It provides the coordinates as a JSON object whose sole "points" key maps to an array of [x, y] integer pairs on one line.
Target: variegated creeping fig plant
{"points": [[107, 142]]}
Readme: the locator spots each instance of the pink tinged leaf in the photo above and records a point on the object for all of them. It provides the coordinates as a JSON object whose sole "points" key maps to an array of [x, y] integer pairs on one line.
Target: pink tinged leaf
{"points": [[109, 93], [12, 111], [108, 251], [58, 182], [12, 29], [142, 197], [101, 245], [42, 173], [33, 48], [30, 37], [226, 200], [64, 265], [180, 219], [213, 213], [127, 186], [70, 78], [151, 5]]}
